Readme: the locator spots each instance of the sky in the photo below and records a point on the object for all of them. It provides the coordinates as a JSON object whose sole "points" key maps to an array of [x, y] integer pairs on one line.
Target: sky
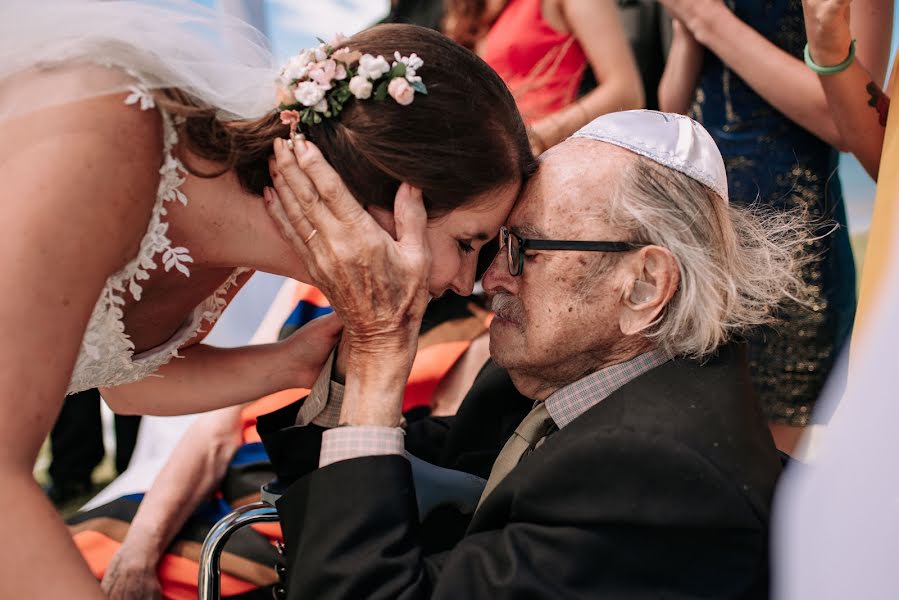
{"points": [[295, 24]]}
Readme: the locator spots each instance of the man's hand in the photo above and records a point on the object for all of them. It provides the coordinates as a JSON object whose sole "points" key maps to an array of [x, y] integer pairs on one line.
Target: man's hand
{"points": [[376, 285]]}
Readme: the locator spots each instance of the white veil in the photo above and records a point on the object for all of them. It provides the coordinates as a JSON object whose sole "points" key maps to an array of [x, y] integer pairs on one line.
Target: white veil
{"points": [[57, 51]]}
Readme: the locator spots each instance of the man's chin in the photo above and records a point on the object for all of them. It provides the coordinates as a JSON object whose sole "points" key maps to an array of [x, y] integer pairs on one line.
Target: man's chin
{"points": [[502, 343]]}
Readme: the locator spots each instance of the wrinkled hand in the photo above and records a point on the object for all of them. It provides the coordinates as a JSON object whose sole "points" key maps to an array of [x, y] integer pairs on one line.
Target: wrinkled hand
{"points": [[827, 29], [376, 285], [131, 574]]}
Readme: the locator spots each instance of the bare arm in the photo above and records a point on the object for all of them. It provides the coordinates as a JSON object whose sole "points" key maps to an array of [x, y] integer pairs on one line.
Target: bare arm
{"points": [[681, 75], [208, 378], [597, 27], [857, 104], [782, 80], [191, 475], [76, 195]]}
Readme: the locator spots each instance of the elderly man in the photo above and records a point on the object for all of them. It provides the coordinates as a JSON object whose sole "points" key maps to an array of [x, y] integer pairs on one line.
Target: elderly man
{"points": [[645, 468]]}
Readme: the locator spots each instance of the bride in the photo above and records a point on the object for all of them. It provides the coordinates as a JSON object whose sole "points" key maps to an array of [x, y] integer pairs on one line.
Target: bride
{"points": [[136, 143]]}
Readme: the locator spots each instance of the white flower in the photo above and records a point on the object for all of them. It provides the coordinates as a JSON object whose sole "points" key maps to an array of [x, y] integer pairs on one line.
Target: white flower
{"points": [[360, 87], [339, 39], [297, 67], [308, 93], [413, 63], [320, 53], [372, 67], [321, 106]]}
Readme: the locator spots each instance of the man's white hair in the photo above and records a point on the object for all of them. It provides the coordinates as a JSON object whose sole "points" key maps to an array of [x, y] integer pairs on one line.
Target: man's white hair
{"points": [[737, 264]]}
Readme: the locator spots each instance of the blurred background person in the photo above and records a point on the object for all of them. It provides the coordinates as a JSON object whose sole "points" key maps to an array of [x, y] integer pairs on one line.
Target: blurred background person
{"points": [[737, 67], [541, 49], [76, 446], [648, 29], [860, 110], [852, 88]]}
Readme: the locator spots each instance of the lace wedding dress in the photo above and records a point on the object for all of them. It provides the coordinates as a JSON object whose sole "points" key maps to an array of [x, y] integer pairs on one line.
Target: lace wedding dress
{"points": [[107, 356], [135, 48]]}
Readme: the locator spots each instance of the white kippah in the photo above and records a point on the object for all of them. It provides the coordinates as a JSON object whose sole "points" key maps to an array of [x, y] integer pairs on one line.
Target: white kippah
{"points": [[672, 140]]}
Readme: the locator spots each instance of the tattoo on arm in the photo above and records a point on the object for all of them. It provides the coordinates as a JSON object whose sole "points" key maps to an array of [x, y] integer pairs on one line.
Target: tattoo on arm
{"points": [[879, 101]]}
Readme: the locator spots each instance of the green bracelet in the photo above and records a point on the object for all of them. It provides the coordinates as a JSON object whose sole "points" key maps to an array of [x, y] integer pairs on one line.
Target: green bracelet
{"points": [[834, 69]]}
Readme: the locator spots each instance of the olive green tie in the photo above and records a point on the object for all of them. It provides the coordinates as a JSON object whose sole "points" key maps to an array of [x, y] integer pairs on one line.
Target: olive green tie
{"points": [[527, 435]]}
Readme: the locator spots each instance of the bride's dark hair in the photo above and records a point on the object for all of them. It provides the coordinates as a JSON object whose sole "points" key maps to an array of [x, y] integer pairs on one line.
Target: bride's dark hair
{"points": [[464, 138]]}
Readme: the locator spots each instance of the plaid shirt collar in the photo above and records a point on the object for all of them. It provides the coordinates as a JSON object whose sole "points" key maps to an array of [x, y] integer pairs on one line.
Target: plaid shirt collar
{"points": [[573, 400]]}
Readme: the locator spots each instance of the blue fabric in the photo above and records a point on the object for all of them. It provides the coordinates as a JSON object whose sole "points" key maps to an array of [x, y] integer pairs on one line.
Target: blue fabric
{"points": [[305, 312], [252, 453], [212, 511]]}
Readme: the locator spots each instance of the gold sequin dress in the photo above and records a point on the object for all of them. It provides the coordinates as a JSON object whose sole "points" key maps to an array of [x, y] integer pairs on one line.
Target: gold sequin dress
{"points": [[773, 160]]}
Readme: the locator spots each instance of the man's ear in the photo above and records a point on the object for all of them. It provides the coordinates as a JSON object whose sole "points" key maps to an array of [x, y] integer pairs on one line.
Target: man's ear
{"points": [[384, 218], [655, 280]]}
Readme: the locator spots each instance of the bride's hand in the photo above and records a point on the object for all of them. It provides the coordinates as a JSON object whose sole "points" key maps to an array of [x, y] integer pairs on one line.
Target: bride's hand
{"points": [[376, 285], [309, 347]]}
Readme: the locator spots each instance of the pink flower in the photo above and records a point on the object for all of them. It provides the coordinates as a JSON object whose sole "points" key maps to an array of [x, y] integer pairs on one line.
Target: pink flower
{"points": [[325, 72], [346, 56], [285, 97], [290, 117], [400, 90]]}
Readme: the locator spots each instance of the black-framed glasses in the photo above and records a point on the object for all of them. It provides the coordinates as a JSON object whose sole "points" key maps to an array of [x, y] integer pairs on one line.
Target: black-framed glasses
{"points": [[515, 247]]}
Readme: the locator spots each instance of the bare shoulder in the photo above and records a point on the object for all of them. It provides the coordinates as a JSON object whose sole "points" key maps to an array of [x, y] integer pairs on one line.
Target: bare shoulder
{"points": [[94, 163], [77, 187]]}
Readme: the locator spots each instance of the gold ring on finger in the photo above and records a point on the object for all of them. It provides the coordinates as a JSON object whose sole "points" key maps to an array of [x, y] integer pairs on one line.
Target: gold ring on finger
{"points": [[310, 236]]}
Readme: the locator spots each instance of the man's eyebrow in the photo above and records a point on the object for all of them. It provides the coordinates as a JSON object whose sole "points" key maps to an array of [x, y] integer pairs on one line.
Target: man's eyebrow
{"points": [[528, 231]]}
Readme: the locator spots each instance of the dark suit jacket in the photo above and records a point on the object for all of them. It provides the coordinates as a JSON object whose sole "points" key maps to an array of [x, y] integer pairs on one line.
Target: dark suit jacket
{"points": [[662, 490]]}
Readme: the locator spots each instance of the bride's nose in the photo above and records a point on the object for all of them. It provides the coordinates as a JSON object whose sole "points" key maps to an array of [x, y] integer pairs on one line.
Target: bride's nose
{"points": [[463, 284]]}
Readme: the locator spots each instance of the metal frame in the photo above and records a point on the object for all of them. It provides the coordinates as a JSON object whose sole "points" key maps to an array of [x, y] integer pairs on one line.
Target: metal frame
{"points": [[211, 552]]}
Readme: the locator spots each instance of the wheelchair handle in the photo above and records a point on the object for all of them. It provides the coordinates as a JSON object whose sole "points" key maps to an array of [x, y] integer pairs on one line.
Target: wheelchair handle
{"points": [[211, 552]]}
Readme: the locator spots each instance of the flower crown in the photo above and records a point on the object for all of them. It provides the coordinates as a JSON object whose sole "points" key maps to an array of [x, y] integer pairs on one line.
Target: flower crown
{"points": [[316, 83]]}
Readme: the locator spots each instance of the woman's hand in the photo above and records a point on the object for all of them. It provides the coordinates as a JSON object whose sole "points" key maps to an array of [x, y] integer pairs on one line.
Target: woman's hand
{"points": [[132, 574], [694, 15], [536, 139], [309, 347], [828, 31], [378, 286]]}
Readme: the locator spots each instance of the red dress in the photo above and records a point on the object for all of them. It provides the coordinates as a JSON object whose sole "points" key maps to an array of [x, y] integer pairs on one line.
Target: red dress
{"points": [[542, 67]]}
